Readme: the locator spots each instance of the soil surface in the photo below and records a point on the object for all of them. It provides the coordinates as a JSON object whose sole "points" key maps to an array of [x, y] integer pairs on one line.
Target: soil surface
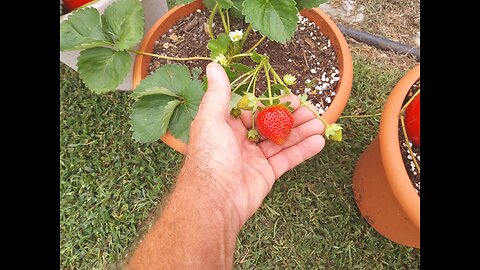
{"points": [[308, 56], [412, 171]]}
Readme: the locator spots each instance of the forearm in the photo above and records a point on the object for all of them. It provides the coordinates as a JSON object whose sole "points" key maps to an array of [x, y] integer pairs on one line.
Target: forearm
{"points": [[196, 230]]}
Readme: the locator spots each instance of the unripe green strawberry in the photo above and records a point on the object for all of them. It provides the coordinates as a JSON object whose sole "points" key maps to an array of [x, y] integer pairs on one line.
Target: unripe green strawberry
{"points": [[275, 123], [253, 135], [235, 112], [334, 132], [247, 102]]}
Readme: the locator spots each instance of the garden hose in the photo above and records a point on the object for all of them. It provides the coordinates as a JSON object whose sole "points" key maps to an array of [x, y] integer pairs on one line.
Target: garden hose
{"points": [[379, 42]]}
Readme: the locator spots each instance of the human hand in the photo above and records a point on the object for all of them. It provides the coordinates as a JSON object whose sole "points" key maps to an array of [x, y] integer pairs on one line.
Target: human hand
{"points": [[236, 172]]}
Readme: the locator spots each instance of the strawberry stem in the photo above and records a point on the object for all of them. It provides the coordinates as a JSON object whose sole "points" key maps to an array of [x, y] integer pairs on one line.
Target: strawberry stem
{"points": [[268, 82], [275, 75], [316, 113], [360, 116], [244, 38], [210, 21], [256, 44], [410, 101], [272, 98], [402, 121], [404, 130], [225, 25], [228, 19], [170, 58]]}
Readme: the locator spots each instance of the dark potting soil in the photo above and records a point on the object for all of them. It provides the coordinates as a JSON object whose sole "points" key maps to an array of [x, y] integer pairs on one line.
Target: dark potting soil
{"points": [[308, 55], [412, 171]]}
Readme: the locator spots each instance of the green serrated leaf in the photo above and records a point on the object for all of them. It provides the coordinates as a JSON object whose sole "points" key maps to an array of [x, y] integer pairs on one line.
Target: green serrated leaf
{"points": [[192, 95], [239, 67], [210, 4], [183, 116], [257, 58], [308, 4], [82, 30], [237, 8], [174, 77], [219, 45], [156, 90], [277, 89], [123, 21], [231, 74], [303, 98], [148, 117], [103, 69], [275, 19], [167, 114], [225, 4], [196, 71]]}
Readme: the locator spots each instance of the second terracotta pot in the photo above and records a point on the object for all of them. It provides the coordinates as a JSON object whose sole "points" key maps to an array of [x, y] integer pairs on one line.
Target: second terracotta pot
{"points": [[383, 191], [327, 26]]}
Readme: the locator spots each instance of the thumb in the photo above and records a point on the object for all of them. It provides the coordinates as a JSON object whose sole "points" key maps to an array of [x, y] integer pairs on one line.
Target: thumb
{"points": [[216, 99]]}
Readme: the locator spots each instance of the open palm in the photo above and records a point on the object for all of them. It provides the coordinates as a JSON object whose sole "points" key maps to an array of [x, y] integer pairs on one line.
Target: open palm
{"points": [[245, 170]]}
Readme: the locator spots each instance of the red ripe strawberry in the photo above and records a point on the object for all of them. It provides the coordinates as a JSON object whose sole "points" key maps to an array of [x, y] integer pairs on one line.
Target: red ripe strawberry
{"points": [[70, 5], [412, 121], [275, 123]]}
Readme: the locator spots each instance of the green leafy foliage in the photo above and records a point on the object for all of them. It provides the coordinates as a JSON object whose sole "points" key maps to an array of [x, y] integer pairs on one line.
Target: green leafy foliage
{"points": [[82, 30], [239, 67], [237, 8], [275, 19], [225, 4], [302, 4], [183, 2], [104, 61], [148, 119], [123, 20], [256, 57], [103, 69], [168, 99], [219, 45]]}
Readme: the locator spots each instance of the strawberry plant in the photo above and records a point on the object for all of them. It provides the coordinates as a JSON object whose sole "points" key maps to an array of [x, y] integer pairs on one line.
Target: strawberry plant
{"points": [[412, 120], [410, 123], [168, 99]]}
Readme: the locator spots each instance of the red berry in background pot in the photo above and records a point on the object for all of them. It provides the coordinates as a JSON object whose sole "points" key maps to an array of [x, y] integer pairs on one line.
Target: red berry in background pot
{"points": [[70, 5], [275, 123], [412, 121]]}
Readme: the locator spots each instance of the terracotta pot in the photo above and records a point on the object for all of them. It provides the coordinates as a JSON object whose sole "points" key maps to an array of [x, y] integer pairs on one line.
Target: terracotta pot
{"points": [[327, 26], [381, 185]]}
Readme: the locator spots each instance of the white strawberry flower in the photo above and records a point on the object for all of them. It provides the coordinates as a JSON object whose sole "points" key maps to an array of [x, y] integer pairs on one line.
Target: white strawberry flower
{"points": [[236, 35]]}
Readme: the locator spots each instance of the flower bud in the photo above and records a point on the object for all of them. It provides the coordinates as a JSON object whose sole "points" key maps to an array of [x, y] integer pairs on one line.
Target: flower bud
{"points": [[289, 79]]}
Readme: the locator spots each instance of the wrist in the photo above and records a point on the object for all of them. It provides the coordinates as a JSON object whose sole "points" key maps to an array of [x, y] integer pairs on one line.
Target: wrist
{"points": [[205, 186]]}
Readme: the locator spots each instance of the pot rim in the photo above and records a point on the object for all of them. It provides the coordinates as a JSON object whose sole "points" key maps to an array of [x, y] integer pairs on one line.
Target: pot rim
{"points": [[338, 41], [395, 171]]}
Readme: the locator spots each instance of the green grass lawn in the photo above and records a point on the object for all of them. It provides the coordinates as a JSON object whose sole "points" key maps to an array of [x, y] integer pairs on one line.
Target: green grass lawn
{"points": [[110, 187]]}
